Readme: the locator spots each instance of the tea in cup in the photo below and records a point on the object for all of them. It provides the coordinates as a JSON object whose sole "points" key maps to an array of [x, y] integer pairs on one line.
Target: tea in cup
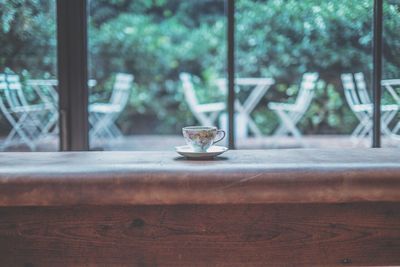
{"points": [[200, 138]]}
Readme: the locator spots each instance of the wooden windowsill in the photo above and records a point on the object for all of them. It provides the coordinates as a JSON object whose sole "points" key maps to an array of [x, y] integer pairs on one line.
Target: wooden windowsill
{"points": [[238, 177]]}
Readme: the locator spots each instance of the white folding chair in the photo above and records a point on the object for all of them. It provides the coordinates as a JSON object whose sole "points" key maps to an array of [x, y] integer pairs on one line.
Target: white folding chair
{"points": [[27, 120], [361, 105], [47, 92], [103, 116], [46, 89], [388, 111], [47, 114], [17, 131], [391, 86], [206, 114], [359, 110], [290, 114]]}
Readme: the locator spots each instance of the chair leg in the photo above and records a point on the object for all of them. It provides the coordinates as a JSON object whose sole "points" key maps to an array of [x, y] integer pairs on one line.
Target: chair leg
{"points": [[395, 135], [367, 130], [18, 130], [93, 132], [359, 132], [50, 124], [103, 127], [115, 130], [290, 125], [281, 130], [97, 132], [254, 128], [105, 122], [356, 132], [251, 124], [111, 126], [387, 117], [396, 128]]}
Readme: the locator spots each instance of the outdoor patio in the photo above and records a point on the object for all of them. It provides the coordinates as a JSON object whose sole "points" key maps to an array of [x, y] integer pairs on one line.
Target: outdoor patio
{"points": [[168, 142]]}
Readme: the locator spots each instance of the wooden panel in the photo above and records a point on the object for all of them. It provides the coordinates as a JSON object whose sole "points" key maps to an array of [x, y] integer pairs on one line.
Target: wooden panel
{"points": [[202, 235], [241, 177]]}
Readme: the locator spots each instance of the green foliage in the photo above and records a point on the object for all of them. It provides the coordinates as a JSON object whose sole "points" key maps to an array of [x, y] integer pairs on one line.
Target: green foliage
{"points": [[28, 36], [155, 40]]}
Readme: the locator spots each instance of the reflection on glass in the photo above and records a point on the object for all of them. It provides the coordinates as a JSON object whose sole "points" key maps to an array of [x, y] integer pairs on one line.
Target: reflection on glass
{"points": [[156, 64], [28, 85], [305, 47]]}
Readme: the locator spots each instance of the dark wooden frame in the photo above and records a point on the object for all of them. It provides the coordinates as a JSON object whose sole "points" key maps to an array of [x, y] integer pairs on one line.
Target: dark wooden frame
{"points": [[231, 72], [377, 72], [72, 69], [72, 74]]}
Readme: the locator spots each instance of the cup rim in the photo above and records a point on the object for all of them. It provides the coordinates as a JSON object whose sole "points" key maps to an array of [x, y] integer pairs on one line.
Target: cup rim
{"points": [[199, 128]]}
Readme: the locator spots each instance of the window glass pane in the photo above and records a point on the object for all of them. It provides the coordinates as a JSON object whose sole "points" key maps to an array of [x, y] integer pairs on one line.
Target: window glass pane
{"points": [[390, 119], [28, 76], [154, 68], [294, 42]]}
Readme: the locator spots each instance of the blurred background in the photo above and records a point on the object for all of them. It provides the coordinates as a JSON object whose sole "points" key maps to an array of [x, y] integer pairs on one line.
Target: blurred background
{"points": [[154, 42]]}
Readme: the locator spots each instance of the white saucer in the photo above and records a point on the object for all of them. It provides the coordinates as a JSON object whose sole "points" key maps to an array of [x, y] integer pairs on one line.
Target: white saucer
{"points": [[212, 152]]}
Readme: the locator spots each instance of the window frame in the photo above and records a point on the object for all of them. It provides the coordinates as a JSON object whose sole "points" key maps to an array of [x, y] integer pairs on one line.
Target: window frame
{"points": [[72, 58], [73, 74]]}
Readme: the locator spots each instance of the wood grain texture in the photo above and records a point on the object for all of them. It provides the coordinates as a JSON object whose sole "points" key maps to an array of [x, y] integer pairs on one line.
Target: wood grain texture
{"points": [[240, 177], [356, 234]]}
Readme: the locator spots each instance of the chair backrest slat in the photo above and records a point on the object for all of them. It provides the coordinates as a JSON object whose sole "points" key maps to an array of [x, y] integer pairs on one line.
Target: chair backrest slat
{"points": [[362, 88], [188, 90], [122, 86], [390, 86], [46, 90], [3, 83], [4, 101], [6, 106], [350, 91], [306, 92], [17, 94]]}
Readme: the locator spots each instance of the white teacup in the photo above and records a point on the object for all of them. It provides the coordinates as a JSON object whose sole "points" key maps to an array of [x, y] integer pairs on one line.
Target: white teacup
{"points": [[200, 138]]}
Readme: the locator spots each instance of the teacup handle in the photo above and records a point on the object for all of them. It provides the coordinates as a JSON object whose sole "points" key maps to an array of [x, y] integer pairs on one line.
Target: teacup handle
{"points": [[219, 132]]}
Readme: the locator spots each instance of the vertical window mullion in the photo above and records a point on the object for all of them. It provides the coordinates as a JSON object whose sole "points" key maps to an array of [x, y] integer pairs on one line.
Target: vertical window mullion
{"points": [[377, 73], [72, 74], [231, 72]]}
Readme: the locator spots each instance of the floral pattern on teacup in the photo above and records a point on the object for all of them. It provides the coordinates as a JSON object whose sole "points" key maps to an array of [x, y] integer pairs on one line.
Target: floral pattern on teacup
{"points": [[200, 140]]}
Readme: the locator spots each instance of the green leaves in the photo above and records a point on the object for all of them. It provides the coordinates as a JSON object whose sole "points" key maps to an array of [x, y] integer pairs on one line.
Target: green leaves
{"points": [[157, 39]]}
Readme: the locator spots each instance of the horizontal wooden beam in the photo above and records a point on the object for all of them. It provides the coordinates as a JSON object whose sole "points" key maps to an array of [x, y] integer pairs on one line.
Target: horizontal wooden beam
{"points": [[238, 177]]}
